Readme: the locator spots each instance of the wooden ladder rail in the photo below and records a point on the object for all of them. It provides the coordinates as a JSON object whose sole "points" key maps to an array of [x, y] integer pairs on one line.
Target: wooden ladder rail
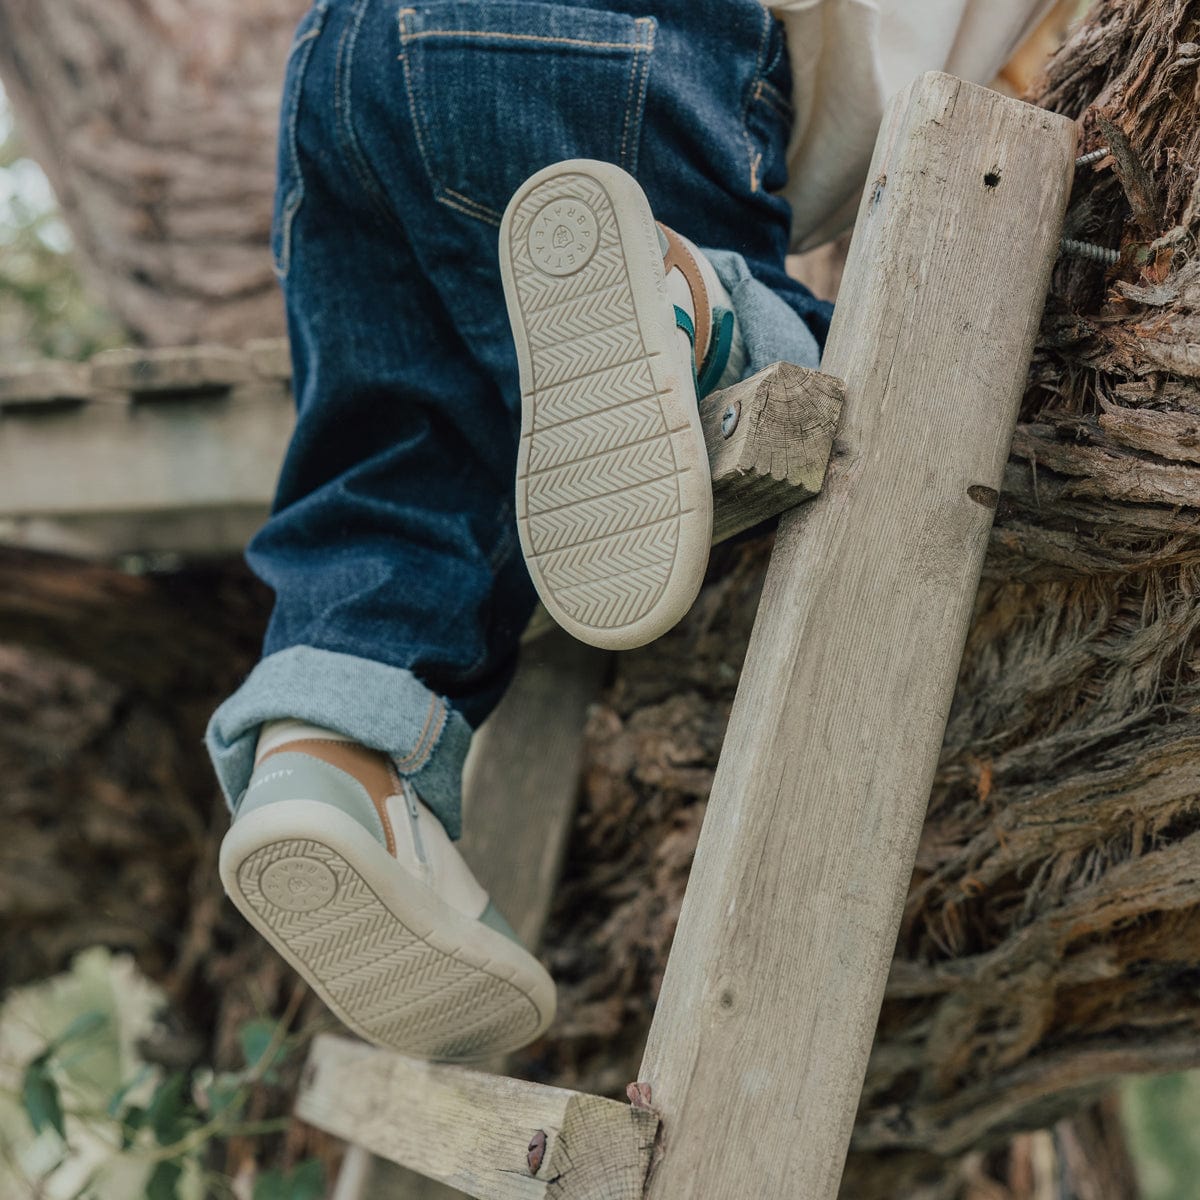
{"points": [[767, 1013], [772, 992]]}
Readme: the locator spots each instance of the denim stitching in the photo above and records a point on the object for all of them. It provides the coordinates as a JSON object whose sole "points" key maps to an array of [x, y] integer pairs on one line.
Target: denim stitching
{"points": [[291, 207], [435, 734], [519, 37], [295, 197], [641, 54], [414, 753], [485, 213], [427, 743], [755, 158], [650, 28], [774, 58], [351, 149], [633, 65], [773, 98], [441, 193], [305, 37], [485, 216], [464, 204], [412, 100]]}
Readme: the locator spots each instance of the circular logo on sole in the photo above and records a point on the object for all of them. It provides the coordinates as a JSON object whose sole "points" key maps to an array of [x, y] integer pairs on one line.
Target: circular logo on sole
{"points": [[563, 236], [298, 884]]}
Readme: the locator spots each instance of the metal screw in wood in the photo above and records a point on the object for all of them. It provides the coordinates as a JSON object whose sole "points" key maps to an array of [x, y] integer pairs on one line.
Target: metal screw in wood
{"points": [[1089, 250], [1093, 156]]}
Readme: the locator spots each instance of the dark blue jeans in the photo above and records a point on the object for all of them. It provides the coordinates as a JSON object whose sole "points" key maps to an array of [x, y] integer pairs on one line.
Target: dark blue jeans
{"points": [[392, 548]]}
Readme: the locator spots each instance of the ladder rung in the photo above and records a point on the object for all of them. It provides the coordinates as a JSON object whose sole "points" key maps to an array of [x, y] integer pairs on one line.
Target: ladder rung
{"points": [[474, 1131]]}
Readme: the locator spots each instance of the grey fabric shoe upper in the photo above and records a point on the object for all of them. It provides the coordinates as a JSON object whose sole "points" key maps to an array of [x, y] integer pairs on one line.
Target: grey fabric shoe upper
{"points": [[295, 776]]}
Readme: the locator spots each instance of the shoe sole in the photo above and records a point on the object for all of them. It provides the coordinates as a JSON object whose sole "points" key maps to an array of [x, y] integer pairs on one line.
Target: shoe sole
{"points": [[394, 963], [614, 496]]}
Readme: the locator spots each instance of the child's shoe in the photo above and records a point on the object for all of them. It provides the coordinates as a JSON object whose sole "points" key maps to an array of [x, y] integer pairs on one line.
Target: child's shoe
{"points": [[619, 325], [333, 858]]}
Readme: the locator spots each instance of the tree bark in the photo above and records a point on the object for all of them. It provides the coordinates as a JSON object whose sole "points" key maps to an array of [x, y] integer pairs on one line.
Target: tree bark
{"points": [[155, 121]]}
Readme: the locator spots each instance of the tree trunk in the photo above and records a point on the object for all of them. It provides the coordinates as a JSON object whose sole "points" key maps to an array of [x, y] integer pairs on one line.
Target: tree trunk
{"points": [[155, 121]]}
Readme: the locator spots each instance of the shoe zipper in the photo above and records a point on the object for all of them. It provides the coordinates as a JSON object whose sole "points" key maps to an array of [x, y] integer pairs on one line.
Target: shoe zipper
{"points": [[414, 821]]}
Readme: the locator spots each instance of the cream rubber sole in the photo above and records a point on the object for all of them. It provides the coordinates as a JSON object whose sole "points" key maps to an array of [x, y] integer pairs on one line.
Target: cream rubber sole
{"points": [[614, 497], [395, 963]]}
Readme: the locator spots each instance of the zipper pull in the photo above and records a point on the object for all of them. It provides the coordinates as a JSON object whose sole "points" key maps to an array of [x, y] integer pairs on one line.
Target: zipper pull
{"points": [[414, 821]]}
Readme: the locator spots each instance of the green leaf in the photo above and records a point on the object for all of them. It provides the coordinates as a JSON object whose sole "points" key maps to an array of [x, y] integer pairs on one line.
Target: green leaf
{"points": [[84, 1025], [308, 1181], [305, 1182], [167, 1113], [256, 1037], [120, 1095], [39, 1095], [224, 1095], [132, 1119], [163, 1183], [270, 1185]]}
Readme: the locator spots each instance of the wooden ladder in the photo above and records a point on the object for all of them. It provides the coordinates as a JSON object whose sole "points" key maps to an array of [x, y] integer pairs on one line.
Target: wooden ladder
{"points": [[760, 1039]]}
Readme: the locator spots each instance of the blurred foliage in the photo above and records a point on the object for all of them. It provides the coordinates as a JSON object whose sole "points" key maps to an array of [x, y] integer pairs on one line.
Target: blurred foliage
{"points": [[46, 311], [84, 1115], [1162, 1117]]}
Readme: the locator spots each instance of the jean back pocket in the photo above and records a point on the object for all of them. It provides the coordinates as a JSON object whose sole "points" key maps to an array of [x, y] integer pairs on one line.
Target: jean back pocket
{"points": [[498, 90]]}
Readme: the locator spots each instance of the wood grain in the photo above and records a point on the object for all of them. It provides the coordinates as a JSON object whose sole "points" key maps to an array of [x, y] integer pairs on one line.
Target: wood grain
{"points": [[522, 778], [474, 1130], [769, 439], [768, 1008]]}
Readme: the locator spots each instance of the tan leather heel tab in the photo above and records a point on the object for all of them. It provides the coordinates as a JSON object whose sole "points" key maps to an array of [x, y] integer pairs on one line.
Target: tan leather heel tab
{"points": [[678, 255], [372, 768]]}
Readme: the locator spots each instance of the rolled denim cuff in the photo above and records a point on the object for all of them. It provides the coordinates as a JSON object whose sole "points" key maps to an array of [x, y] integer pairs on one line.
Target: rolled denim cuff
{"points": [[385, 708], [771, 329]]}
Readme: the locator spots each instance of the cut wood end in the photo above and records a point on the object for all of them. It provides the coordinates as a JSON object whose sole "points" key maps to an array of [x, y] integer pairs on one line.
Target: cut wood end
{"points": [[769, 441], [787, 416]]}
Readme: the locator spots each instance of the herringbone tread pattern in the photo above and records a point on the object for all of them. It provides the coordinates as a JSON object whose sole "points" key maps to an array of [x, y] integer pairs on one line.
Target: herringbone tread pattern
{"points": [[621, 384], [599, 497], [396, 985]]}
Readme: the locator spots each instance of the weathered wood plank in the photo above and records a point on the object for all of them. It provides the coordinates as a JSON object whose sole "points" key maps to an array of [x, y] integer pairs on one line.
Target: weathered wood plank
{"points": [[475, 1131], [270, 357], [772, 992], [178, 450], [104, 459], [769, 439], [185, 370], [43, 384], [522, 778]]}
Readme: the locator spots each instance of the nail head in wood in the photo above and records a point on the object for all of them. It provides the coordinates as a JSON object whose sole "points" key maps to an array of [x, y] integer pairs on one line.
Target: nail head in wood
{"points": [[729, 420], [537, 1151]]}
